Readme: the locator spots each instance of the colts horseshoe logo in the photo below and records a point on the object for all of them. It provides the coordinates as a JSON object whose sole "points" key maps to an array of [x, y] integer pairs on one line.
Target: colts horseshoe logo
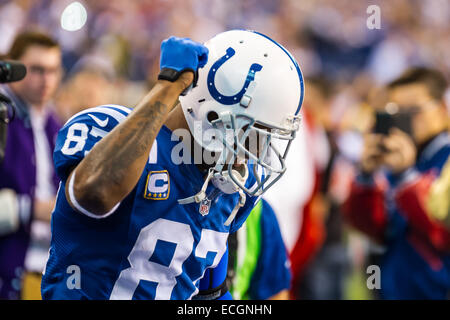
{"points": [[229, 100]]}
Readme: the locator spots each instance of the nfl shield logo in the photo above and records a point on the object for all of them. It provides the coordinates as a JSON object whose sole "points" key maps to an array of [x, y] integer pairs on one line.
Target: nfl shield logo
{"points": [[204, 207]]}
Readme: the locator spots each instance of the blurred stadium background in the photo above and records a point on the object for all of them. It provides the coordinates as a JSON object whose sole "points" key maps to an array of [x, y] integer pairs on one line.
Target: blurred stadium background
{"points": [[122, 38]]}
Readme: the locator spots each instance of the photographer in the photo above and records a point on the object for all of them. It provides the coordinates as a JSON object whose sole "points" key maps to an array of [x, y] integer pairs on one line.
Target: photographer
{"points": [[28, 183], [388, 200]]}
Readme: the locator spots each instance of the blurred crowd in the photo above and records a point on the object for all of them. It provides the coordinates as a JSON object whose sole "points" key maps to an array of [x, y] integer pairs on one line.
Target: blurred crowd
{"points": [[114, 59], [122, 38]]}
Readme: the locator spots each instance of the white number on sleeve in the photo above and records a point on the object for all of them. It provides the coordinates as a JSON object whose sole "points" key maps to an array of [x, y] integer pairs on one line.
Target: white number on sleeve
{"points": [[79, 139]]}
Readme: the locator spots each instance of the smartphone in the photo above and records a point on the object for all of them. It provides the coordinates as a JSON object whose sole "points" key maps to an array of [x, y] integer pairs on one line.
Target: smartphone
{"points": [[385, 122]]}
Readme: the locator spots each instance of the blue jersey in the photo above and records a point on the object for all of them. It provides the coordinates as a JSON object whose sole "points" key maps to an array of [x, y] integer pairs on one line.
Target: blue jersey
{"points": [[266, 283], [150, 247], [260, 244]]}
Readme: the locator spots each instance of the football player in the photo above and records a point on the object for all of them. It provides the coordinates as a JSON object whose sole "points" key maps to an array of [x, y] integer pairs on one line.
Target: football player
{"points": [[253, 247], [139, 214]]}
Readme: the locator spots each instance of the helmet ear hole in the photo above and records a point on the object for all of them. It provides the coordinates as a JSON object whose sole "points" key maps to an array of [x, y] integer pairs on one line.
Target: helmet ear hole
{"points": [[211, 116]]}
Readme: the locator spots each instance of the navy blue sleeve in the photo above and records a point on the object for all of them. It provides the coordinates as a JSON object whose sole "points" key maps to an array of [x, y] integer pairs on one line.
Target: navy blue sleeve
{"points": [[272, 273], [250, 203]]}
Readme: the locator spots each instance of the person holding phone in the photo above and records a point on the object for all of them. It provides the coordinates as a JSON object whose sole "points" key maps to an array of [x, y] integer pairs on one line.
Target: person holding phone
{"points": [[401, 158]]}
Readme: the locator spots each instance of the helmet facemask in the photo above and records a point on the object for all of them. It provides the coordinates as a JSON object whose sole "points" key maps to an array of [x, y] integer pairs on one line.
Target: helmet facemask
{"points": [[262, 146]]}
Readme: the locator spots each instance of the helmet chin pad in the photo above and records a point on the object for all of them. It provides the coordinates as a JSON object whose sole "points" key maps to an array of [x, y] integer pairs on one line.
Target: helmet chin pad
{"points": [[224, 183], [266, 158]]}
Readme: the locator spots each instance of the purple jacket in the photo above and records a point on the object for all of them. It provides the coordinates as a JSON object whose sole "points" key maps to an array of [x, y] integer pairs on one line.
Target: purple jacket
{"points": [[18, 172]]}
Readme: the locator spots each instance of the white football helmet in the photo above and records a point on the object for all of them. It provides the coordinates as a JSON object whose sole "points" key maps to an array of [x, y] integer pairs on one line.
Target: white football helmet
{"points": [[250, 87]]}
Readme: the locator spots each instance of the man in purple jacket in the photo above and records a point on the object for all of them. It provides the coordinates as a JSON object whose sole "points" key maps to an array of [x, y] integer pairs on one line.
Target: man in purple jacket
{"points": [[28, 183]]}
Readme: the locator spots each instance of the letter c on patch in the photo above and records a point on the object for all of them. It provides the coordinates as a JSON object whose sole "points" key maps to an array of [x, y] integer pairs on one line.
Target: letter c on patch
{"points": [[158, 185]]}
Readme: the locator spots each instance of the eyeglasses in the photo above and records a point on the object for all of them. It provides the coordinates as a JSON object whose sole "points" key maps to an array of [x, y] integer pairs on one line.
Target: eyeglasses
{"points": [[41, 70]]}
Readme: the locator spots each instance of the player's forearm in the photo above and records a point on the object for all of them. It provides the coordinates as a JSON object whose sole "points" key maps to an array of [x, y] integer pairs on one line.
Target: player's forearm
{"points": [[113, 167]]}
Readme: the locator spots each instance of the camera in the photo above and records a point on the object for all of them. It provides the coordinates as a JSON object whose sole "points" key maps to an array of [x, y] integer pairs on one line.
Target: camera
{"points": [[10, 71], [4, 120]]}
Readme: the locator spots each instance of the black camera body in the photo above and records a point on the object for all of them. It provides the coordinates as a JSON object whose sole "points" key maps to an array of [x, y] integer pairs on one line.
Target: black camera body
{"points": [[10, 71], [4, 119], [385, 121]]}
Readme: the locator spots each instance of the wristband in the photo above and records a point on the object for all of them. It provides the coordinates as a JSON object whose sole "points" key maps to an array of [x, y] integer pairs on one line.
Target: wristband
{"points": [[172, 75]]}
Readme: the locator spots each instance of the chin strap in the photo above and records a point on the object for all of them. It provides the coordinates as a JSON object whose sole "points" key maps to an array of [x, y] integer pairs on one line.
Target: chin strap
{"points": [[201, 195], [240, 204]]}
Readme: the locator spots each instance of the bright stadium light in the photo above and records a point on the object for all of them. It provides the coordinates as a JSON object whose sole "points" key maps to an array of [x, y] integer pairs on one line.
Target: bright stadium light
{"points": [[74, 17]]}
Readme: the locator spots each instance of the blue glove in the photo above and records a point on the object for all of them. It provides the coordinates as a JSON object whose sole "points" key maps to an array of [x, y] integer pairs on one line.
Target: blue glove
{"points": [[179, 55]]}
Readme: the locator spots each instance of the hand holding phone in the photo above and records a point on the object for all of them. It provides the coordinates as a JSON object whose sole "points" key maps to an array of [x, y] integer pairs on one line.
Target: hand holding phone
{"points": [[400, 151], [385, 121], [372, 154]]}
